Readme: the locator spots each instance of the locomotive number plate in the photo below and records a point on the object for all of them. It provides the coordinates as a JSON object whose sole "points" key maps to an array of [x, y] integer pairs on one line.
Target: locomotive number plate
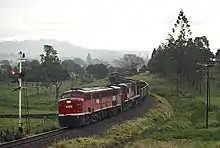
{"points": [[69, 106]]}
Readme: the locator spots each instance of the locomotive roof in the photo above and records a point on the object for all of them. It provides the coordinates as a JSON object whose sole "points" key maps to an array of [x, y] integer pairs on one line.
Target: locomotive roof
{"points": [[93, 89], [115, 87]]}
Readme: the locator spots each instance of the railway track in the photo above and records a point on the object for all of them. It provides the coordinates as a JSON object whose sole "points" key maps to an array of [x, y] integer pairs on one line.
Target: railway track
{"points": [[30, 116], [30, 142]]}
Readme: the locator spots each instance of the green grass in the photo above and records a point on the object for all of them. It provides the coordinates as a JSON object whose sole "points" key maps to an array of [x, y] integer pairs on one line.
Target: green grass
{"points": [[37, 125], [42, 103], [215, 90], [173, 122], [149, 143], [9, 128]]}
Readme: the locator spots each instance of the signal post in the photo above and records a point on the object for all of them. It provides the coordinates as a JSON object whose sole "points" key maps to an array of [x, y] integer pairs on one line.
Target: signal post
{"points": [[20, 74]]}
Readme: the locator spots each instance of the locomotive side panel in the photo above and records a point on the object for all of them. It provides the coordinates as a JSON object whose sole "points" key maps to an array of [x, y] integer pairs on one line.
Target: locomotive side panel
{"points": [[96, 101], [107, 99], [87, 103]]}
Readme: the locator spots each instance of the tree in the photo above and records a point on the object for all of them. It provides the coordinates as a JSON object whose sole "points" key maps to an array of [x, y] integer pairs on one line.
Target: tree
{"points": [[32, 70], [130, 61], [180, 54], [79, 61], [143, 68], [51, 65], [153, 53], [6, 69], [98, 71], [72, 67], [96, 61], [89, 59], [183, 23], [217, 54], [112, 68], [53, 72]]}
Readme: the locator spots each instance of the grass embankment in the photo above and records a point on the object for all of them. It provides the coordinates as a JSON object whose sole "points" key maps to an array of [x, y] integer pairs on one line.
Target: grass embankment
{"points": [[186, 127], [157, 128]]}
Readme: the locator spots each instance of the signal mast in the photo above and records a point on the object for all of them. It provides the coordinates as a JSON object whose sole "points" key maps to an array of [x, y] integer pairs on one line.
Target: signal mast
{"points": [[20, 74]]}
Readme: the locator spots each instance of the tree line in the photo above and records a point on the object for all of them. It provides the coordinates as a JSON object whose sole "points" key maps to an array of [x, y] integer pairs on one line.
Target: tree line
{"points": [[181, 53], [51, 69]]}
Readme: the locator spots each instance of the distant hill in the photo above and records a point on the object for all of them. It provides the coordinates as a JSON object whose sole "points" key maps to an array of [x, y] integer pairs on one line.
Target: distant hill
{"points": [[33, 48]]}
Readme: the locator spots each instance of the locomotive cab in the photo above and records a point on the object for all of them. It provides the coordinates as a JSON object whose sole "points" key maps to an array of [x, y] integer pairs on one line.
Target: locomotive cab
{"points": [[71, 102]]}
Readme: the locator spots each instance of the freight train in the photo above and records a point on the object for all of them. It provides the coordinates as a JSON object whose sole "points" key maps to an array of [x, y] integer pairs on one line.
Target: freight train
{"points": [[84, 106]]}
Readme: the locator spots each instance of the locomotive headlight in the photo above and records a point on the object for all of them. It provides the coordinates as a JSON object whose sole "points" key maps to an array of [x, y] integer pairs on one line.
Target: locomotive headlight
{"points": [[68, 101]]}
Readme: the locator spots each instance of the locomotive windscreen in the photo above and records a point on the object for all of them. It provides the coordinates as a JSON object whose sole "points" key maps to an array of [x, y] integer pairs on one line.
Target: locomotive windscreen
{"points": [[72, 95]]}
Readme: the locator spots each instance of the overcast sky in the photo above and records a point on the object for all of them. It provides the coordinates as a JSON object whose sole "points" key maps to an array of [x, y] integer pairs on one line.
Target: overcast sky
{"points": [[107, 24]]}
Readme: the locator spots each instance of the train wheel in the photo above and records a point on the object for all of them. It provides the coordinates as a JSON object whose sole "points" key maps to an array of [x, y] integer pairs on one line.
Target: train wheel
{"points": [[104, 114], [114, 111], [94, 118], [87, 119], [137, 102], [125, 107], [100, 115], [130, 104], [81, 121], [134, 103]]}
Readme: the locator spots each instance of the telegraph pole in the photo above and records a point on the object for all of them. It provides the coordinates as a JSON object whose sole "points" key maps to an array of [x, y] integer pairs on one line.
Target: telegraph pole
{"points": [[207, 98], [207, 67], [177, 85]]}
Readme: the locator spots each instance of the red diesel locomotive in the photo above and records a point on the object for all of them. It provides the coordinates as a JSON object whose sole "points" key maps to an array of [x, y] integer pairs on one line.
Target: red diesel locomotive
{"points": [[78, 107]]}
